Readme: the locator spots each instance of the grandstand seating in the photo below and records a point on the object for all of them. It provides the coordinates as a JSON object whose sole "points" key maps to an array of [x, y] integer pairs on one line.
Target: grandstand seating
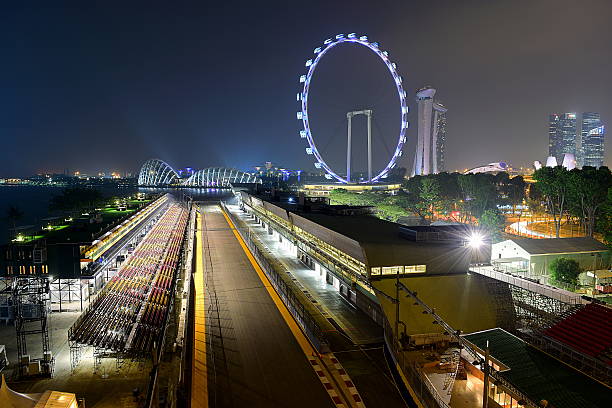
{"points": [[130, 312], [587, 330]]}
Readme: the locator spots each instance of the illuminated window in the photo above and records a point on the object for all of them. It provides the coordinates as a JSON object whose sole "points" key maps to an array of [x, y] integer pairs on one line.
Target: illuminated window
{"points": [[414, 269], [392, 270], [375, 271], [22, 270]]}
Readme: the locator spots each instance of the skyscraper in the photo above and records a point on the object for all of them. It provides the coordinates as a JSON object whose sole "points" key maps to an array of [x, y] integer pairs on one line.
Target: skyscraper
{"points": [[554, 144], [591, 150], [429, 156], [439, 137], [562, 133]]}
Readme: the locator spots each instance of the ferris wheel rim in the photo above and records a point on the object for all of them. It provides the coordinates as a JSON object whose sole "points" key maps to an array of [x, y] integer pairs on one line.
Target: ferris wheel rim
{"points": [[302, 97]]}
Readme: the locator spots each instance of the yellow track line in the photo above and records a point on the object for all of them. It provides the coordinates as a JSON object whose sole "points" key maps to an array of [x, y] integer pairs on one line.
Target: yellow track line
{"points": [[199, 370], [305, 345]]}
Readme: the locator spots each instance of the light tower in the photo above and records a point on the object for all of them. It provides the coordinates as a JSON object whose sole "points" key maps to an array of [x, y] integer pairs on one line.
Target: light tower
{"points": [[349, 118]]}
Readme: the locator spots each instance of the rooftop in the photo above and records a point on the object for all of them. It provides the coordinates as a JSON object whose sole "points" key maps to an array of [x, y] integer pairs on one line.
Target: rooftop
{"points": [[540, 376], [559, 245]]}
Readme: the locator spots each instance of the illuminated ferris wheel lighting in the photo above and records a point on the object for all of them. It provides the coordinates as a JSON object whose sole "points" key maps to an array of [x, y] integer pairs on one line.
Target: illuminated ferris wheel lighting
{"points": [[302, 97]]}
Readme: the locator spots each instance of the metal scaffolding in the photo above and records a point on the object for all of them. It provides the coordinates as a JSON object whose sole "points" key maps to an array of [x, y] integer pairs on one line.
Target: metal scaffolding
{"points": [[30, 303]]}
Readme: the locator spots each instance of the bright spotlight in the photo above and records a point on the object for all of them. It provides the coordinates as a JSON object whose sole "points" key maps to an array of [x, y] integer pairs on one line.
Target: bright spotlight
{"points": [[475, 240]]}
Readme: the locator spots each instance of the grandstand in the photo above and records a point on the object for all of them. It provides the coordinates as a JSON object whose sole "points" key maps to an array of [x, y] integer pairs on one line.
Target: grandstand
{"points": [[129, 314], [586, 329]]}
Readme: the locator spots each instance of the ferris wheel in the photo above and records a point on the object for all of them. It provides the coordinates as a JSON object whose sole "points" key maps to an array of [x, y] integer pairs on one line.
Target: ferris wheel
{"points": [[302, 114]]}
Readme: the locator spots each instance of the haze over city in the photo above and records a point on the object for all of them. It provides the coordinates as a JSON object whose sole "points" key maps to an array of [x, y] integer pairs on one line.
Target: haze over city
{"points": [[97, 87]]}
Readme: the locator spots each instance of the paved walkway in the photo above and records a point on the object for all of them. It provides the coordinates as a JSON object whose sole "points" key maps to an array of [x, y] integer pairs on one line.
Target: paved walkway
{"points": [[253, 358]]}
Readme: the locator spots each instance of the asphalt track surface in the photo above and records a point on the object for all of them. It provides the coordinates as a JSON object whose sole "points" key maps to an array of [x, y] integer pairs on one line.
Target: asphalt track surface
{"points": [[252, 357]]}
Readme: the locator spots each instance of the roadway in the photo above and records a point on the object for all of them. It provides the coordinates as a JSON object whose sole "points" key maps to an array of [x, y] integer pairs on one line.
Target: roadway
{"points": [[253, 357], [359, 345]]}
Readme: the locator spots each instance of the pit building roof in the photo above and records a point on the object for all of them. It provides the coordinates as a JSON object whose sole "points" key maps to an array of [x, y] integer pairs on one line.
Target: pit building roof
{"points": [[559, 245], [540, 376]]}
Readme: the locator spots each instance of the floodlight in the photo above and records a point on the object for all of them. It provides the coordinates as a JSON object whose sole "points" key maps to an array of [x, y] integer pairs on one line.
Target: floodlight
{"points": [[475, 240]]}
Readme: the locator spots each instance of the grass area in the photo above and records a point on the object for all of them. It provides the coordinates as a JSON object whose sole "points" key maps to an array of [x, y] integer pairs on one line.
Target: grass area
{"points": [[27, 238], [81, 229]]}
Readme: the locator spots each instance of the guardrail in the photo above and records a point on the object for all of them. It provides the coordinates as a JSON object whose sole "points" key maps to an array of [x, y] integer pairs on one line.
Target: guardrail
{"points": [[546, 290], [308, 324]]}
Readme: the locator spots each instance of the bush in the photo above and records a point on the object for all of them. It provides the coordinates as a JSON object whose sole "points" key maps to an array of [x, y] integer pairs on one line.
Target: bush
{"points": [[565, 270]]}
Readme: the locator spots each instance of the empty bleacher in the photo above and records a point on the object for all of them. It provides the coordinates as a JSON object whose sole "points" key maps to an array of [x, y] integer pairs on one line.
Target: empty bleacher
{"points": [[130, 312], [588, 330]]}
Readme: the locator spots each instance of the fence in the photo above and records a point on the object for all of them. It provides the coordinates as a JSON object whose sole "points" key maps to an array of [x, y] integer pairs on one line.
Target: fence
{"points": [[284, 289], [418, 381]]}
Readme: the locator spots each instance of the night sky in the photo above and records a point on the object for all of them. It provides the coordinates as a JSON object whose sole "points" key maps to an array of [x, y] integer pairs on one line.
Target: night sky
{"points": [[105, 85]]}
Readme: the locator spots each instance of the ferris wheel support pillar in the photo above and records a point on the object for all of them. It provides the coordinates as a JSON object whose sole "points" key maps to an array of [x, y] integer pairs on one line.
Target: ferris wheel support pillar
{"points": [[349, 117], [369, 115]]}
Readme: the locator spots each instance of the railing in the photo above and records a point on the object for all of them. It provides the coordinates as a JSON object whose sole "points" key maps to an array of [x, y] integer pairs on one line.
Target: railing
{"points": [[548, 291], [418, 381], [287, 293]]}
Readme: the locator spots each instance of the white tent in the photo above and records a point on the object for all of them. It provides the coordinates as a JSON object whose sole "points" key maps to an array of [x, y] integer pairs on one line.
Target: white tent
{"points": [[14, 399]]}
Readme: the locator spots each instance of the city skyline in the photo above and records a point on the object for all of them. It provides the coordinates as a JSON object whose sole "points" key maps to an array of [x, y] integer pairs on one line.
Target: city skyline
{"points": [[190, 75]]}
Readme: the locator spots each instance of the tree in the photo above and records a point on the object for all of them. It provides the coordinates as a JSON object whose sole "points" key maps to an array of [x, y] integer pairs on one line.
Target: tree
{"points": [[14, 214], [553, 183], [77, 198], [588, 193], [493, 222], [479, 193], [430, 195], [605, 221], [516, 191], [564, 270]]}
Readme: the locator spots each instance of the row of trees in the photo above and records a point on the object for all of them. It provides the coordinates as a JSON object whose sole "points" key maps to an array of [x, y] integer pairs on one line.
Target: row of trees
{"points": [[582, 193], [585, 194], [468, 198]]}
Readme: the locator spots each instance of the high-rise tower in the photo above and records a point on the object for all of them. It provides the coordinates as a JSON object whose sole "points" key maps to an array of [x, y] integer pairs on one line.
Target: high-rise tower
{"points": [[562, 132], [431, 140], [439, 137], [591, 150]]}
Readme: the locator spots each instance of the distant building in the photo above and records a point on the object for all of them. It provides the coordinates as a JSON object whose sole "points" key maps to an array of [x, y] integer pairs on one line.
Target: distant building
{"points": [[439, 165], [562, 135], [591, 149], [489, 168], [431, 140], [532, 257], [586, 144], [590, 121]]}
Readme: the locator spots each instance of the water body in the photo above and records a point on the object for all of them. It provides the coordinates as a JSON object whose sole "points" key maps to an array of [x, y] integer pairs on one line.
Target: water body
{"points": [[33, 201]]}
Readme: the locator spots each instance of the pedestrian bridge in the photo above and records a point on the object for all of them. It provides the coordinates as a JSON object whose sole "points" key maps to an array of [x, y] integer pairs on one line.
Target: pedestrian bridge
{"points": [[158, 173]]}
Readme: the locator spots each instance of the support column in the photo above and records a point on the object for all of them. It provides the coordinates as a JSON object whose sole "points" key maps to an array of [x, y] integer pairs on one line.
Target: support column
{"points": [[369, 115], [349, 117]]}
